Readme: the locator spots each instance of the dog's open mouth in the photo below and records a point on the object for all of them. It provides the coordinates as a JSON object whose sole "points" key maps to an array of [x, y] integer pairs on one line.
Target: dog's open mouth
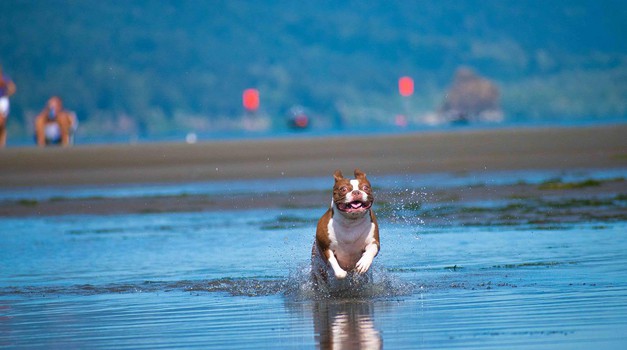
{"points": [[354, 206]]}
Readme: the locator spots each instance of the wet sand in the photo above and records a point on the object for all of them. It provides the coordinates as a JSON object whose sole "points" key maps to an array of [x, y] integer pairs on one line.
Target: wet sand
{"points": [[420, 153], [427, 152]]}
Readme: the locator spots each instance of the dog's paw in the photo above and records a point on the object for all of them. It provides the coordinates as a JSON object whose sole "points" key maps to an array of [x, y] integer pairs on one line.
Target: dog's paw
{"points": [[363, 265], [340, 274]]}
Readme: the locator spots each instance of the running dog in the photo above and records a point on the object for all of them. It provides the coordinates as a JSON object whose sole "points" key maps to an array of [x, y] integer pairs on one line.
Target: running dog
{"points": [[347, 236]]}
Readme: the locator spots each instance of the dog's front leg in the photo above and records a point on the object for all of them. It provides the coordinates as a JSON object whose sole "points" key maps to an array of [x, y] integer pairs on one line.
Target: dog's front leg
{"points": [[337, 270], [365, 261]]}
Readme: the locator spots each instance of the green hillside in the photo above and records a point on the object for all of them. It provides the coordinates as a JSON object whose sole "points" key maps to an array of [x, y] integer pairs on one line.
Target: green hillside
{"points": [[156, 67]]}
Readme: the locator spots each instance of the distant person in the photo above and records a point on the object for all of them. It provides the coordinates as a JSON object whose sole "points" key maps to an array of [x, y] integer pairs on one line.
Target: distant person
{"points": [[54, 125], [7, 89]]}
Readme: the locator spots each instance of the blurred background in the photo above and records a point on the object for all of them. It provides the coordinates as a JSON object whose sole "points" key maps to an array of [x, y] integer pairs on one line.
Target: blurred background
{"points": [[159, 70]]}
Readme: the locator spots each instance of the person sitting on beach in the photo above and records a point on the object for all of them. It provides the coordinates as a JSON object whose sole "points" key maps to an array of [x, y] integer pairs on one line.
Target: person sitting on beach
{"points": [[54, 125], [7, 88]]}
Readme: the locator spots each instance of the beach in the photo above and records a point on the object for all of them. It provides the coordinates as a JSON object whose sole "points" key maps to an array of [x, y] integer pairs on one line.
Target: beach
{"points": [[501, 238], [413, 153], [168, 164]]}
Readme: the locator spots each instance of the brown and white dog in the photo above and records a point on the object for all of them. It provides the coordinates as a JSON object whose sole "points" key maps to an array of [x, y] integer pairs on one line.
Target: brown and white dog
{"points": [[347, 236]]}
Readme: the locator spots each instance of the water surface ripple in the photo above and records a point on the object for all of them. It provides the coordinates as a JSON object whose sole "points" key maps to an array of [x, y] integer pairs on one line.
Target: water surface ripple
{"points": [[230, 280]]}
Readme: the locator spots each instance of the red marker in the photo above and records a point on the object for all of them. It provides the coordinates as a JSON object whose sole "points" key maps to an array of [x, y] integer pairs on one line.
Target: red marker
{"points": [[406, 86], [250, 99]]}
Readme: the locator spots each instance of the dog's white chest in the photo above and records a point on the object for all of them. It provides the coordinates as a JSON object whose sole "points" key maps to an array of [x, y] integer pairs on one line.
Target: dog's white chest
{"points": [[348, 240]]}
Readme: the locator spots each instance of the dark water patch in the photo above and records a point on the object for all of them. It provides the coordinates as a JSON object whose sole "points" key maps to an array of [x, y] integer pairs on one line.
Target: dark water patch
{"points": [[65, 199], [237, 287], [246, 287], [148, 211], [122, 230], [560, 184], [297, 286], [533, 212], [526, 333], [141, 229], [447, 284], [546, 264], [577, 202], [413, 270], [27, 202], [97, 231], [81, 289], [541, 225], [479, 285], [283, 222]]}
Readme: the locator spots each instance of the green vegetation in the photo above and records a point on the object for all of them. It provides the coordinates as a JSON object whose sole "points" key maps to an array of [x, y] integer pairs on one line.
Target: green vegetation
{"points": [[558, 184], [28, 202], [536, 212], [153, 68]]}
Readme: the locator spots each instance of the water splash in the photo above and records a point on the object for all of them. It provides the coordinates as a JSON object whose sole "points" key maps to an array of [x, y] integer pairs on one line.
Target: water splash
{"points": [[380, 284], [403, 206], [297, 285]]}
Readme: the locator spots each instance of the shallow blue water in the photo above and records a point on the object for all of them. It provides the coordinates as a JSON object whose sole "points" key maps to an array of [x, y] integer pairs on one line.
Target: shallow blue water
{"points": [[235, 279], [441, 180]]}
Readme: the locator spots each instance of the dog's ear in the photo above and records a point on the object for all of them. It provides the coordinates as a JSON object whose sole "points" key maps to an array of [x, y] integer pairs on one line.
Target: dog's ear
{"points": [[359, 174], [337, 175]]}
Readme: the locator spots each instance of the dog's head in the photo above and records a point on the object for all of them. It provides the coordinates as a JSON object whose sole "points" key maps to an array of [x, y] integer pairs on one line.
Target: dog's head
{"points": [[352, 197]]}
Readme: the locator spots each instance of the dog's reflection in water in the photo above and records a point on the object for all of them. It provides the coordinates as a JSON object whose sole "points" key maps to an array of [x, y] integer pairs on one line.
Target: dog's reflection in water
{"points": [[345, 325]]}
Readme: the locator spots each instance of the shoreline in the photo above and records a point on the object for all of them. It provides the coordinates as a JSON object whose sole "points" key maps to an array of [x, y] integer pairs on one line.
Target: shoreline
{"points": [[419, 153], [586, 196]]}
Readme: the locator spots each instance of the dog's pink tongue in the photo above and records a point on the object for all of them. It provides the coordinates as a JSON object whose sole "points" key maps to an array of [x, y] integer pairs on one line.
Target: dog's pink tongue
{"points": [[355, 205]]}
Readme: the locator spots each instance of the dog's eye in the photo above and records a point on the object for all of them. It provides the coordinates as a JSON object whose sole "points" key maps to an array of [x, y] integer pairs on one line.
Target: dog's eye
{"points": [[365, 188], [344, 189]]}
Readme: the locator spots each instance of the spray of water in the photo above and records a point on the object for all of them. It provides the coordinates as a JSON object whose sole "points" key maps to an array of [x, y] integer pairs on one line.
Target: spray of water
{"points": [[379, 283]]}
